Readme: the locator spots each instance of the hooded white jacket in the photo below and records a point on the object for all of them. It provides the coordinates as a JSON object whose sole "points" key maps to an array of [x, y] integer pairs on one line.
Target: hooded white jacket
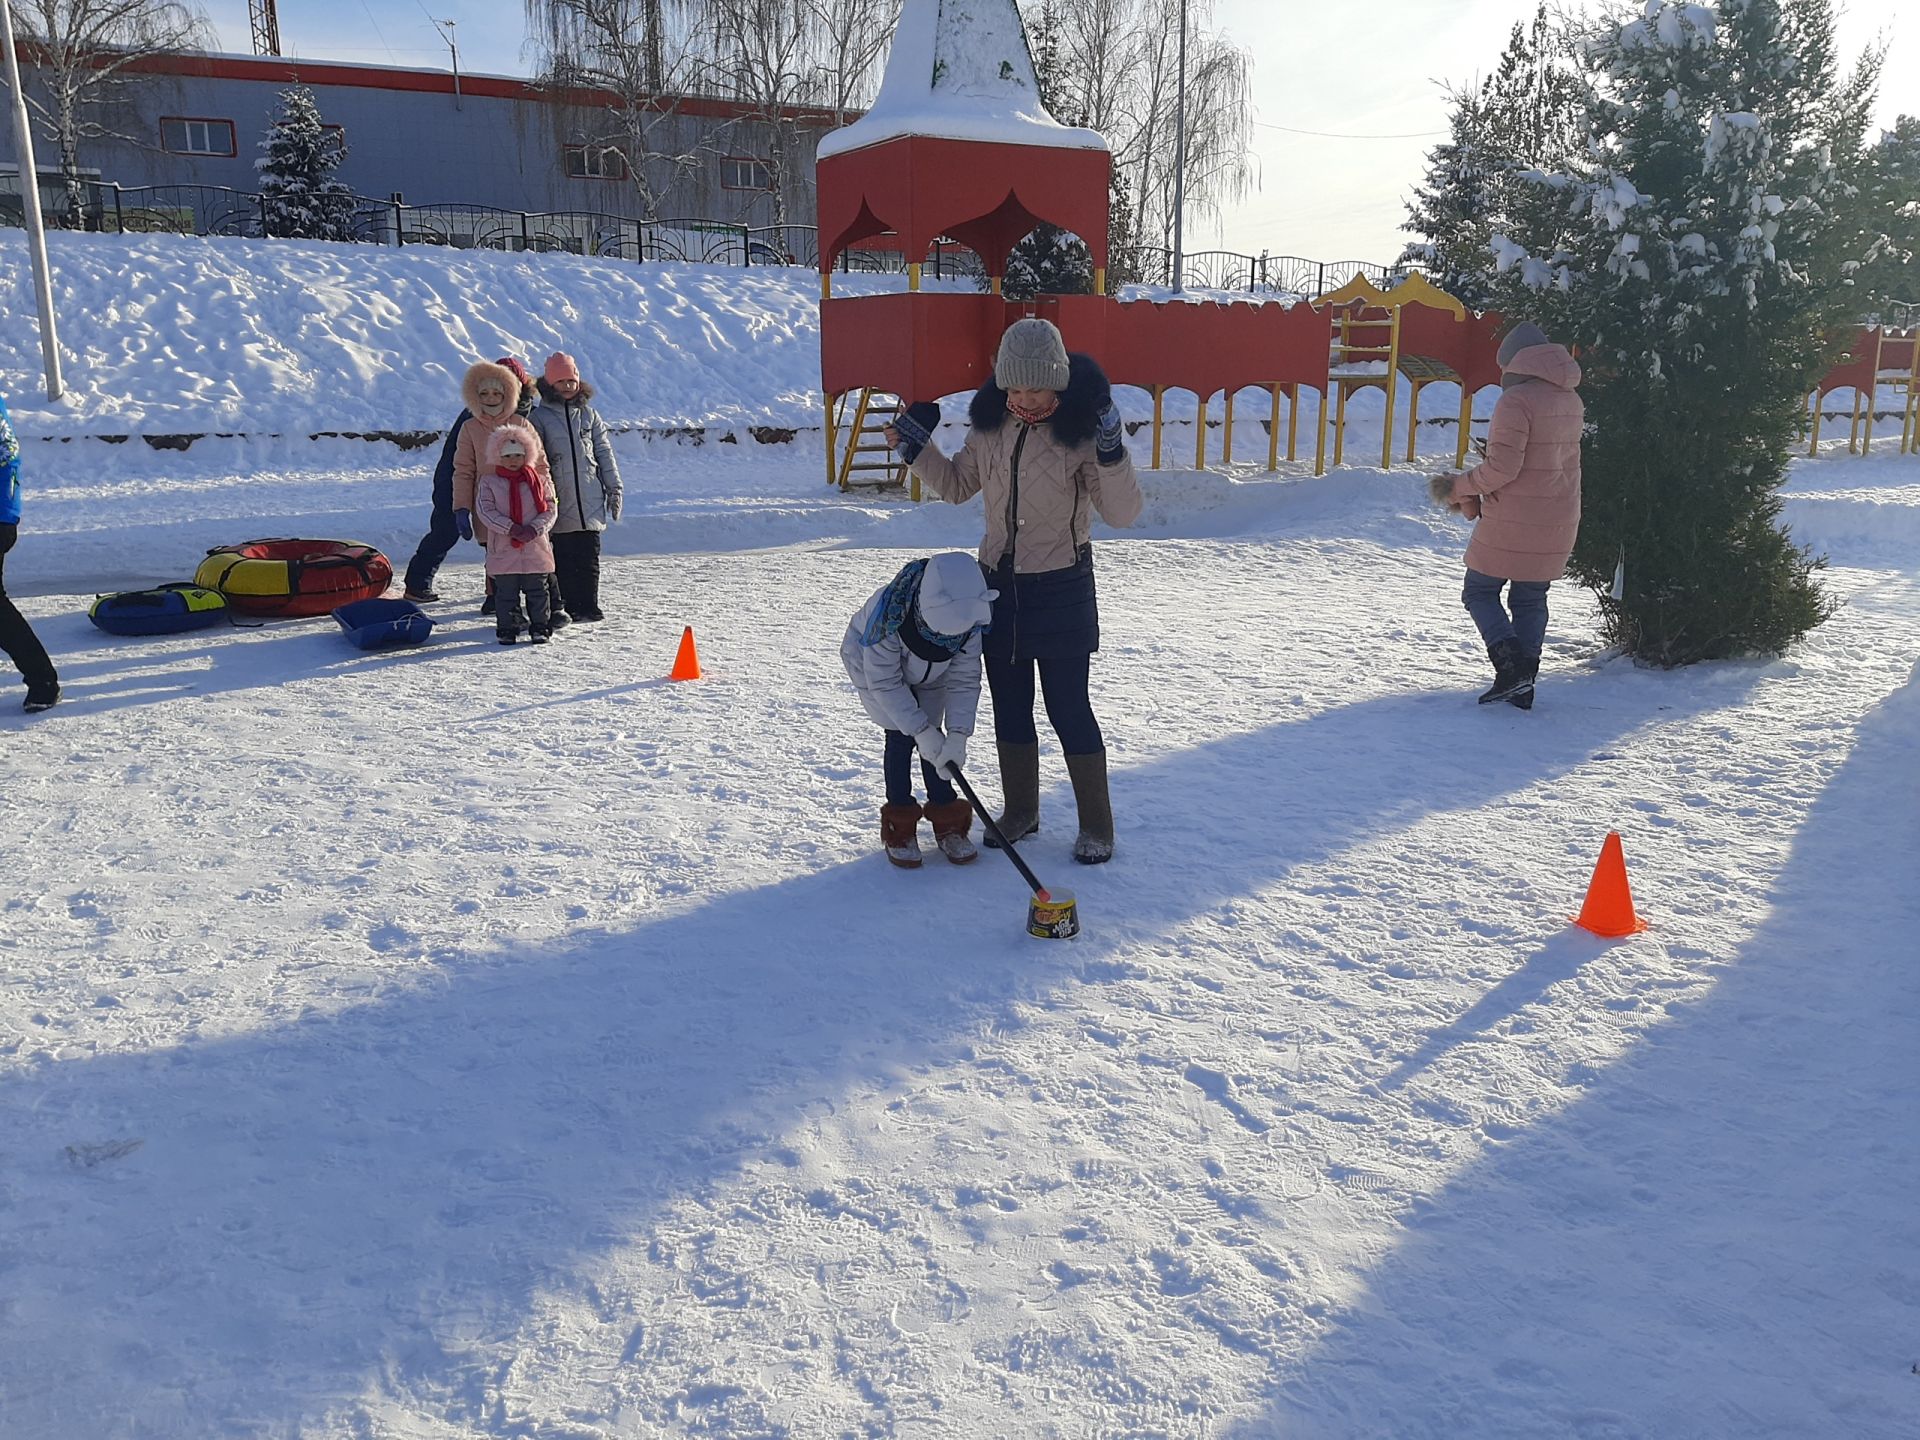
{"points": [[903, 691]]}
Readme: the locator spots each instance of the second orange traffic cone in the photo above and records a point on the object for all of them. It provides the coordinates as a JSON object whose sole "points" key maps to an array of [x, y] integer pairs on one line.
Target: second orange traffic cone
{"points": [[686, 665], [1609, 908]]}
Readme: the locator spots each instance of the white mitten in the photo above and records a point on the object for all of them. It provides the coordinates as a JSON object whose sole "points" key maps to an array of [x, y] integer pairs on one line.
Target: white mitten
{"points": [[930, 742], [953, 756]]}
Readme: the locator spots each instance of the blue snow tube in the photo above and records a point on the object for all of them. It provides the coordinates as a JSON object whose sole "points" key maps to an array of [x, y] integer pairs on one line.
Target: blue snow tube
{"points": [[164, 610], [375, 624]]}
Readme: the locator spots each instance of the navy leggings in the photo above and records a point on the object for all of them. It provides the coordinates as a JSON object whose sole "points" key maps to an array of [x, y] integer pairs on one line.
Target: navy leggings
{"points": [[1064, 682], [22, 646], [899, 774]]}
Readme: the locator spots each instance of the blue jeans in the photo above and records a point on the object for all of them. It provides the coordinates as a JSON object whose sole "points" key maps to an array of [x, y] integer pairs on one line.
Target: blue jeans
{"points": [[1527, 624]]}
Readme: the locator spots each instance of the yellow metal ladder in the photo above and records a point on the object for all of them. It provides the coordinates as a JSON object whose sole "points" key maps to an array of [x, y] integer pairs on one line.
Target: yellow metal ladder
{"points": [[867, 462]]}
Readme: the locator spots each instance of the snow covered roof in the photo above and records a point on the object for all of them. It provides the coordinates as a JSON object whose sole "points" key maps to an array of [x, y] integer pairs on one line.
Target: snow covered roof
{"points": [[960, 70]]}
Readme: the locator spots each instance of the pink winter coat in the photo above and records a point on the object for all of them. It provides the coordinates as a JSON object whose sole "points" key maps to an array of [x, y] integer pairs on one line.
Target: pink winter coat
{"points": [[1529, 485], [493, 502]]}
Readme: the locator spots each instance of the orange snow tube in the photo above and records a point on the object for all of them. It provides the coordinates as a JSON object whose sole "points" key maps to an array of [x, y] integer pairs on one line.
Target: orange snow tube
{"points": [[293, 579]]}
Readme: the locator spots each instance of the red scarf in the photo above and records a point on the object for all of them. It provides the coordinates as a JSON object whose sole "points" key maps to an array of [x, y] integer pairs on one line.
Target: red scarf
{"points": [[1034, 417], [515, 479]]}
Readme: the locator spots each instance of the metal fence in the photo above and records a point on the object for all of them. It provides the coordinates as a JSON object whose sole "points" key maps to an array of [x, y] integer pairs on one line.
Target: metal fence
{"points": [[220, 210]]}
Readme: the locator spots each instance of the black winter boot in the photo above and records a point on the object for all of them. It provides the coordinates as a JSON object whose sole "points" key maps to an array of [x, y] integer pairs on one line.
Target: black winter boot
{"points": [[1020, 789], [1094, 846], [1509, 672], [1522, 698]]}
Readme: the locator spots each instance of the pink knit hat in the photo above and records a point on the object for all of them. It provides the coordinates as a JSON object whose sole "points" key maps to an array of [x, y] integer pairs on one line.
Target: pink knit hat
{"points": [[560, 367]]}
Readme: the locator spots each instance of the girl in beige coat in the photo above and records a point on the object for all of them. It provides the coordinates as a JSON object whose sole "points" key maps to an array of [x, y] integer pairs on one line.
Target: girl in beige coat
{"points": [[1526, 500], [1047, 452]]}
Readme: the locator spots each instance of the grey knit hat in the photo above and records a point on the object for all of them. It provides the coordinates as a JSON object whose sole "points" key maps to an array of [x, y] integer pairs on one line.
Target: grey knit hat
{"points": [[1524, 334], [1032, 357]]}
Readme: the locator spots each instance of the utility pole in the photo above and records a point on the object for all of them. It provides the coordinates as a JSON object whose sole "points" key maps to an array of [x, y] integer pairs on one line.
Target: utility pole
{"points": [[30, 210], [1180, 167], [445, 27]]}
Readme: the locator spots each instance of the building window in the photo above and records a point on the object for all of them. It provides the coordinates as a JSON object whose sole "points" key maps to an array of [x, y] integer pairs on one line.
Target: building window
{"points": [[738, 172], [185, 135], [593, 162]]}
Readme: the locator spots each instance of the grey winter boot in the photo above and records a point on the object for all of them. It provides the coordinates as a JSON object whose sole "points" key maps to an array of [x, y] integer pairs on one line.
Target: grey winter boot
{"points": [[1089, 773], [1020, 788]]}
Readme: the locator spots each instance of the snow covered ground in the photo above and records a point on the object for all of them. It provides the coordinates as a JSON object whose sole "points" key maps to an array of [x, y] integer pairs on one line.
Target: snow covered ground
{"points": [[470, 1042]]}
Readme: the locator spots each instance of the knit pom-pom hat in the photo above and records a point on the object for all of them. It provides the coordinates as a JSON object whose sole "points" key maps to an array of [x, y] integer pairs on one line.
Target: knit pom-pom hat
{"points": [[560, 367], [1032, 357]]}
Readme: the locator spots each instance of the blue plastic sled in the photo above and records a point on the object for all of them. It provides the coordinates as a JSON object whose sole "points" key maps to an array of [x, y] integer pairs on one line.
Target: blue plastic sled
{"points": [[376, 624]]}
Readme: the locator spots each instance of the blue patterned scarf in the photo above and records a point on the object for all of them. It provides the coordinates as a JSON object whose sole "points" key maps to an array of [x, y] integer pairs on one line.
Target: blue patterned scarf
{"points": [[896, 605]]}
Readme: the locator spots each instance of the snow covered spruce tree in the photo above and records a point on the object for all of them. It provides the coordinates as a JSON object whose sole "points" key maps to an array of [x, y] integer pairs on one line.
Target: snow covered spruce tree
{"points": [[1698, 256], [300, 199], [1526, 115]]}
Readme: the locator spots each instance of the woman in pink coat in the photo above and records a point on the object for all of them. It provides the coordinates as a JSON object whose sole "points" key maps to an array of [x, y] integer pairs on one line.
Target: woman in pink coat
{"points": [[1526, 498]]}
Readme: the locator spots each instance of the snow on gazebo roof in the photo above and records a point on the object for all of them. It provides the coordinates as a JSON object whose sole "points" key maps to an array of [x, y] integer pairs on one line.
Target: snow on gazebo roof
{"points": [[960, 70]]}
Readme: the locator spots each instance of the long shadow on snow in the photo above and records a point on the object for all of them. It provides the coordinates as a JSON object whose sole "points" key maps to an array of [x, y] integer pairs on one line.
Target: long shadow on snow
{"points": [[381, 1193], [374, 1198], [1717, 1237]]}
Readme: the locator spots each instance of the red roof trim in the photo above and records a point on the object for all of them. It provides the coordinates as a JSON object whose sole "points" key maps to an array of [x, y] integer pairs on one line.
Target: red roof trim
{"points": [[276, 70]]}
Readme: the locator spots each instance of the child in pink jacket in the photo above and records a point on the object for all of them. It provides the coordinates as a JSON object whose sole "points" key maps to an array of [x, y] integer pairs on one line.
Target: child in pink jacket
{"points": [[517, 503], [1526, 500]]}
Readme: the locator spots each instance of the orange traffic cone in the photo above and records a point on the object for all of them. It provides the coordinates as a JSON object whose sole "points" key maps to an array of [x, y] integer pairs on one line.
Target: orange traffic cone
{"points": [[1609, 908], [686, 665]]}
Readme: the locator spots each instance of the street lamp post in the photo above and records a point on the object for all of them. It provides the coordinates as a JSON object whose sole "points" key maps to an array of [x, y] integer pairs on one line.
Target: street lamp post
{"points": [[30, 209], [1180, 166]]}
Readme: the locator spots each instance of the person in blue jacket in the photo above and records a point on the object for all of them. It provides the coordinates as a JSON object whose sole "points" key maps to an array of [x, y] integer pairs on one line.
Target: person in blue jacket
{"points": [[23, 647]]}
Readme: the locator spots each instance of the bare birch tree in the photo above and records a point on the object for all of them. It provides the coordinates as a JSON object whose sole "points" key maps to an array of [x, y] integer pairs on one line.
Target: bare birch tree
{"points": [[850, 38], [645, 57], [88, 54]]}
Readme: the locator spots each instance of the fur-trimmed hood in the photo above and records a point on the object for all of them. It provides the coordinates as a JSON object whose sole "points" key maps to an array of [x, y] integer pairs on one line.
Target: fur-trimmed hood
{"points": [[487, 370], [551, 396], [1078, 417], [512, 430]]}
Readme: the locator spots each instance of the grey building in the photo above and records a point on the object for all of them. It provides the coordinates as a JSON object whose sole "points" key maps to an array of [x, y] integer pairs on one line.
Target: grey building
{"points": [[459, 165]]}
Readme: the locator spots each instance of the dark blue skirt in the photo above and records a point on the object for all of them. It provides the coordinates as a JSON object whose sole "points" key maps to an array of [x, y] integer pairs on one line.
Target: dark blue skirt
{"points": [[1045, 615]]}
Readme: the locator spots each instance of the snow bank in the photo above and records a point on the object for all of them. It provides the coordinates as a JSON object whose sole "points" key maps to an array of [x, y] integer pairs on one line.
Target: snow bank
{"points": [[168, 334]]}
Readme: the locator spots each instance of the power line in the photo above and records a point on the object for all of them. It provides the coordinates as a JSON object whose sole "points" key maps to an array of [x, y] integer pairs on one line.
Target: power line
{"points": [[1337, 135]]}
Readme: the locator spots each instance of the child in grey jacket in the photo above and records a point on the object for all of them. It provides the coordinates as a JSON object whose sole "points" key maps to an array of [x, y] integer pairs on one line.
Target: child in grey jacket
{"points": [[586, 481], [913, 654]]}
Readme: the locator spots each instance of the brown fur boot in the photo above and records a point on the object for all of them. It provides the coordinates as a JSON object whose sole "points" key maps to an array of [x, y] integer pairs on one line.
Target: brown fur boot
{"points": [[951, 822], [898, 827]]}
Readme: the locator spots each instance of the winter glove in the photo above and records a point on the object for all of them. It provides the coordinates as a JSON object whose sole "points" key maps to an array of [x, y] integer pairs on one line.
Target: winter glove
{"points": [[522, 533], [1110, 440], [915, 428], [1469, 506], [953, 755], [613, 508], [463, 522], [930, 742]]}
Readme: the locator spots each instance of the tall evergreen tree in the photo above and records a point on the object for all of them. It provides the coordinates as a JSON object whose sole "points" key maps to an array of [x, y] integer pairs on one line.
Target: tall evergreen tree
{"points": [[1891, 214], [1700, 258], [299, 196], [1528, 115]]}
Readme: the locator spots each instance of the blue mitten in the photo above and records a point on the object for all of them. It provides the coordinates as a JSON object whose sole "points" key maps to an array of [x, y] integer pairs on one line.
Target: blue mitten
{"points": [[463, 522], [1110, 439], [916, 428]]}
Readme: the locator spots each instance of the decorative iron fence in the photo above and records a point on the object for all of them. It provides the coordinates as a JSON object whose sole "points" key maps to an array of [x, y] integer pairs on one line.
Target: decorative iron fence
{"points": [[219, 210], [1252, 274]]}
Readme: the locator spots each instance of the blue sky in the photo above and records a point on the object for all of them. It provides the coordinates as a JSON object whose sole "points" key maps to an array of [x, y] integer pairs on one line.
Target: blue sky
{"points": [[1317, 67]]}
